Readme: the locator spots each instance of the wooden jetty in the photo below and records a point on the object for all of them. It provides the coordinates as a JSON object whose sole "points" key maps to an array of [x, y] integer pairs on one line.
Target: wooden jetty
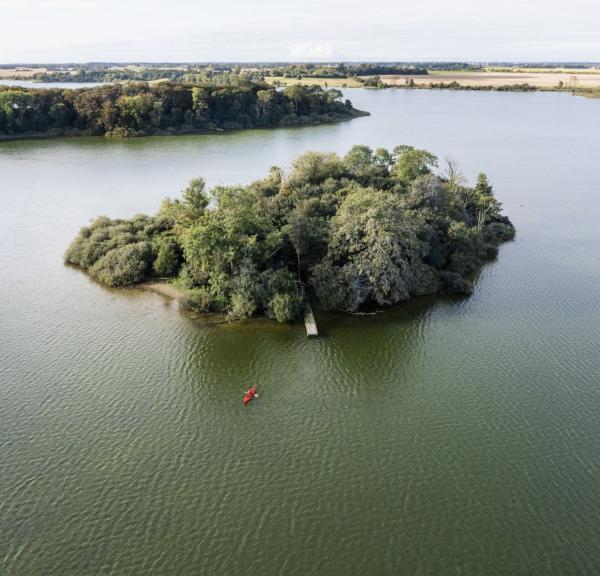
{"points": [[309, 321]]}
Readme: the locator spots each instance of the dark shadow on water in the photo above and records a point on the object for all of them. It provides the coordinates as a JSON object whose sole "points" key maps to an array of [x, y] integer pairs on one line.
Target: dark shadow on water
{"points": [[409, 312]]}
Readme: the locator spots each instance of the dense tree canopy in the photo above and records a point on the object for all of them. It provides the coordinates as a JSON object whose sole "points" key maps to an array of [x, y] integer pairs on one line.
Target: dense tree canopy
{"points": [[144, 109], [342, 70], [371, 228], [221, 73]]}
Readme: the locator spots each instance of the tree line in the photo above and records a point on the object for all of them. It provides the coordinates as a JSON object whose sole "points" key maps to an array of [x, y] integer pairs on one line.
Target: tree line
{"points": [[210, 74], [341, 70], [371, 228], [454, 85], [143, 109]]}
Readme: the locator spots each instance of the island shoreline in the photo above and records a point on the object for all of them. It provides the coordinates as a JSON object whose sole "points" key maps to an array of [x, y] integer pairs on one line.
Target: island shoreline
{"points": [[166, 133], [161, 287]]}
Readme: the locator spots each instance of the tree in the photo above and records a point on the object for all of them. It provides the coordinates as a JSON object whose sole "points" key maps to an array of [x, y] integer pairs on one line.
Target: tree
{"points": [[60, 115], [247, 291], [383, 159], [315, 167], [359, 161], [333, 95], [185, 212], [123, 266], [195, 198], [200, 105], [306, 231], [166, 263], [15, 105], [264, 102], [483, 187], [295, 93], [412, 163], [284, 307], [487, 208], [453, 175], [135, 109], [374, 255]]}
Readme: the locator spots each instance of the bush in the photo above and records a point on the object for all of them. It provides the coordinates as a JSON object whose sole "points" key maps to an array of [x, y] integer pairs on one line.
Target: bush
{"points": [[123, 266], [284, 307], [185, 280], [247, 293], [453, 283], [198, 299], [498, 232], [166, 263]]}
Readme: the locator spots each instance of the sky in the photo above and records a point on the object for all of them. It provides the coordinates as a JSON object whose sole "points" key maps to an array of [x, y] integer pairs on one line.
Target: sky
{"points": [[38, 31]]}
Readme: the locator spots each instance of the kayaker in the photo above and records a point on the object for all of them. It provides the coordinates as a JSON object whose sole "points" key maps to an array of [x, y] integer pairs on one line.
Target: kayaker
{"points": [[249, 395]]}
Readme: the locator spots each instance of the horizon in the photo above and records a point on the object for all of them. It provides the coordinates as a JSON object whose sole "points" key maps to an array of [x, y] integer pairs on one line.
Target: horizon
{"points": [[289, 62]]}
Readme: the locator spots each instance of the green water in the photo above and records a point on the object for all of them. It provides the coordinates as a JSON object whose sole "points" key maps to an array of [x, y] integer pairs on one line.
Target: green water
{"points": [[443, 437]]}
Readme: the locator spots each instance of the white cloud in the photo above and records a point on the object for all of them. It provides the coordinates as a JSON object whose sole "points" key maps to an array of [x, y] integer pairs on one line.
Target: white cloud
{"points": [[311, 50]]}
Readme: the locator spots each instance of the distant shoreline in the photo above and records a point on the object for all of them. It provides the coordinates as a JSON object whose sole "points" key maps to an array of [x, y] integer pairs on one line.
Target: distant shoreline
{"points": [[585, 81], [142, 109]]}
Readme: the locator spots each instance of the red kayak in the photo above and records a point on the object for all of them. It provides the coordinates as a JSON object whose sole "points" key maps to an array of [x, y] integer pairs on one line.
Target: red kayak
{"points": [[249, 395]]}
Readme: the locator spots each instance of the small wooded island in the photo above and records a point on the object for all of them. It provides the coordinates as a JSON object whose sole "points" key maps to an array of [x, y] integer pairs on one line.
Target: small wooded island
{"points": [[142, 109], [370, 229]]}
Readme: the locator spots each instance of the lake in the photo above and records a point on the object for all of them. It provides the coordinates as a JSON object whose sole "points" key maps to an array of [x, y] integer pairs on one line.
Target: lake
{"points": [[445, 436], [60, 85]]}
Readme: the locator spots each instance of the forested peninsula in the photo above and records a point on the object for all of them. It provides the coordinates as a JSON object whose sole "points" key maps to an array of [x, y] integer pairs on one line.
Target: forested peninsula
{"points": [[142, 109], [372, 228]]}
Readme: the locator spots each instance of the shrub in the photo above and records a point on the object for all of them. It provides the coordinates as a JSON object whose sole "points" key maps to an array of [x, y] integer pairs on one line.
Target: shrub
{"points": [[196, 299], [284, 307], [123, 266], [453, 283], [166, 263], [184, 280], [499, 232], [247, 293]]}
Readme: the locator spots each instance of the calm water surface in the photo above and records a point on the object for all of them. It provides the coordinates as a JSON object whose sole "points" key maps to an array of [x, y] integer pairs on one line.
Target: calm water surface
{"points": [[33, 84], [444, 437]]}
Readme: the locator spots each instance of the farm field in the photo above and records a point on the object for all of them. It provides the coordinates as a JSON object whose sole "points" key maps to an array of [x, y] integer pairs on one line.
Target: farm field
{"points": [[544, 80], [330, 82], [21, 72]]}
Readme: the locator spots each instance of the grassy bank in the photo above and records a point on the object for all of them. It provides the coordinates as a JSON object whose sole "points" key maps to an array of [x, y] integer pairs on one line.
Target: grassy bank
{"points": [[588, 93]]}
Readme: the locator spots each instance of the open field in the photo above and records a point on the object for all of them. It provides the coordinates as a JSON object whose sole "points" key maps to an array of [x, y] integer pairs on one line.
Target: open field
{"points": [[520, 69], [586, 80], [330, 82], [543, 80], [21, 72]]}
